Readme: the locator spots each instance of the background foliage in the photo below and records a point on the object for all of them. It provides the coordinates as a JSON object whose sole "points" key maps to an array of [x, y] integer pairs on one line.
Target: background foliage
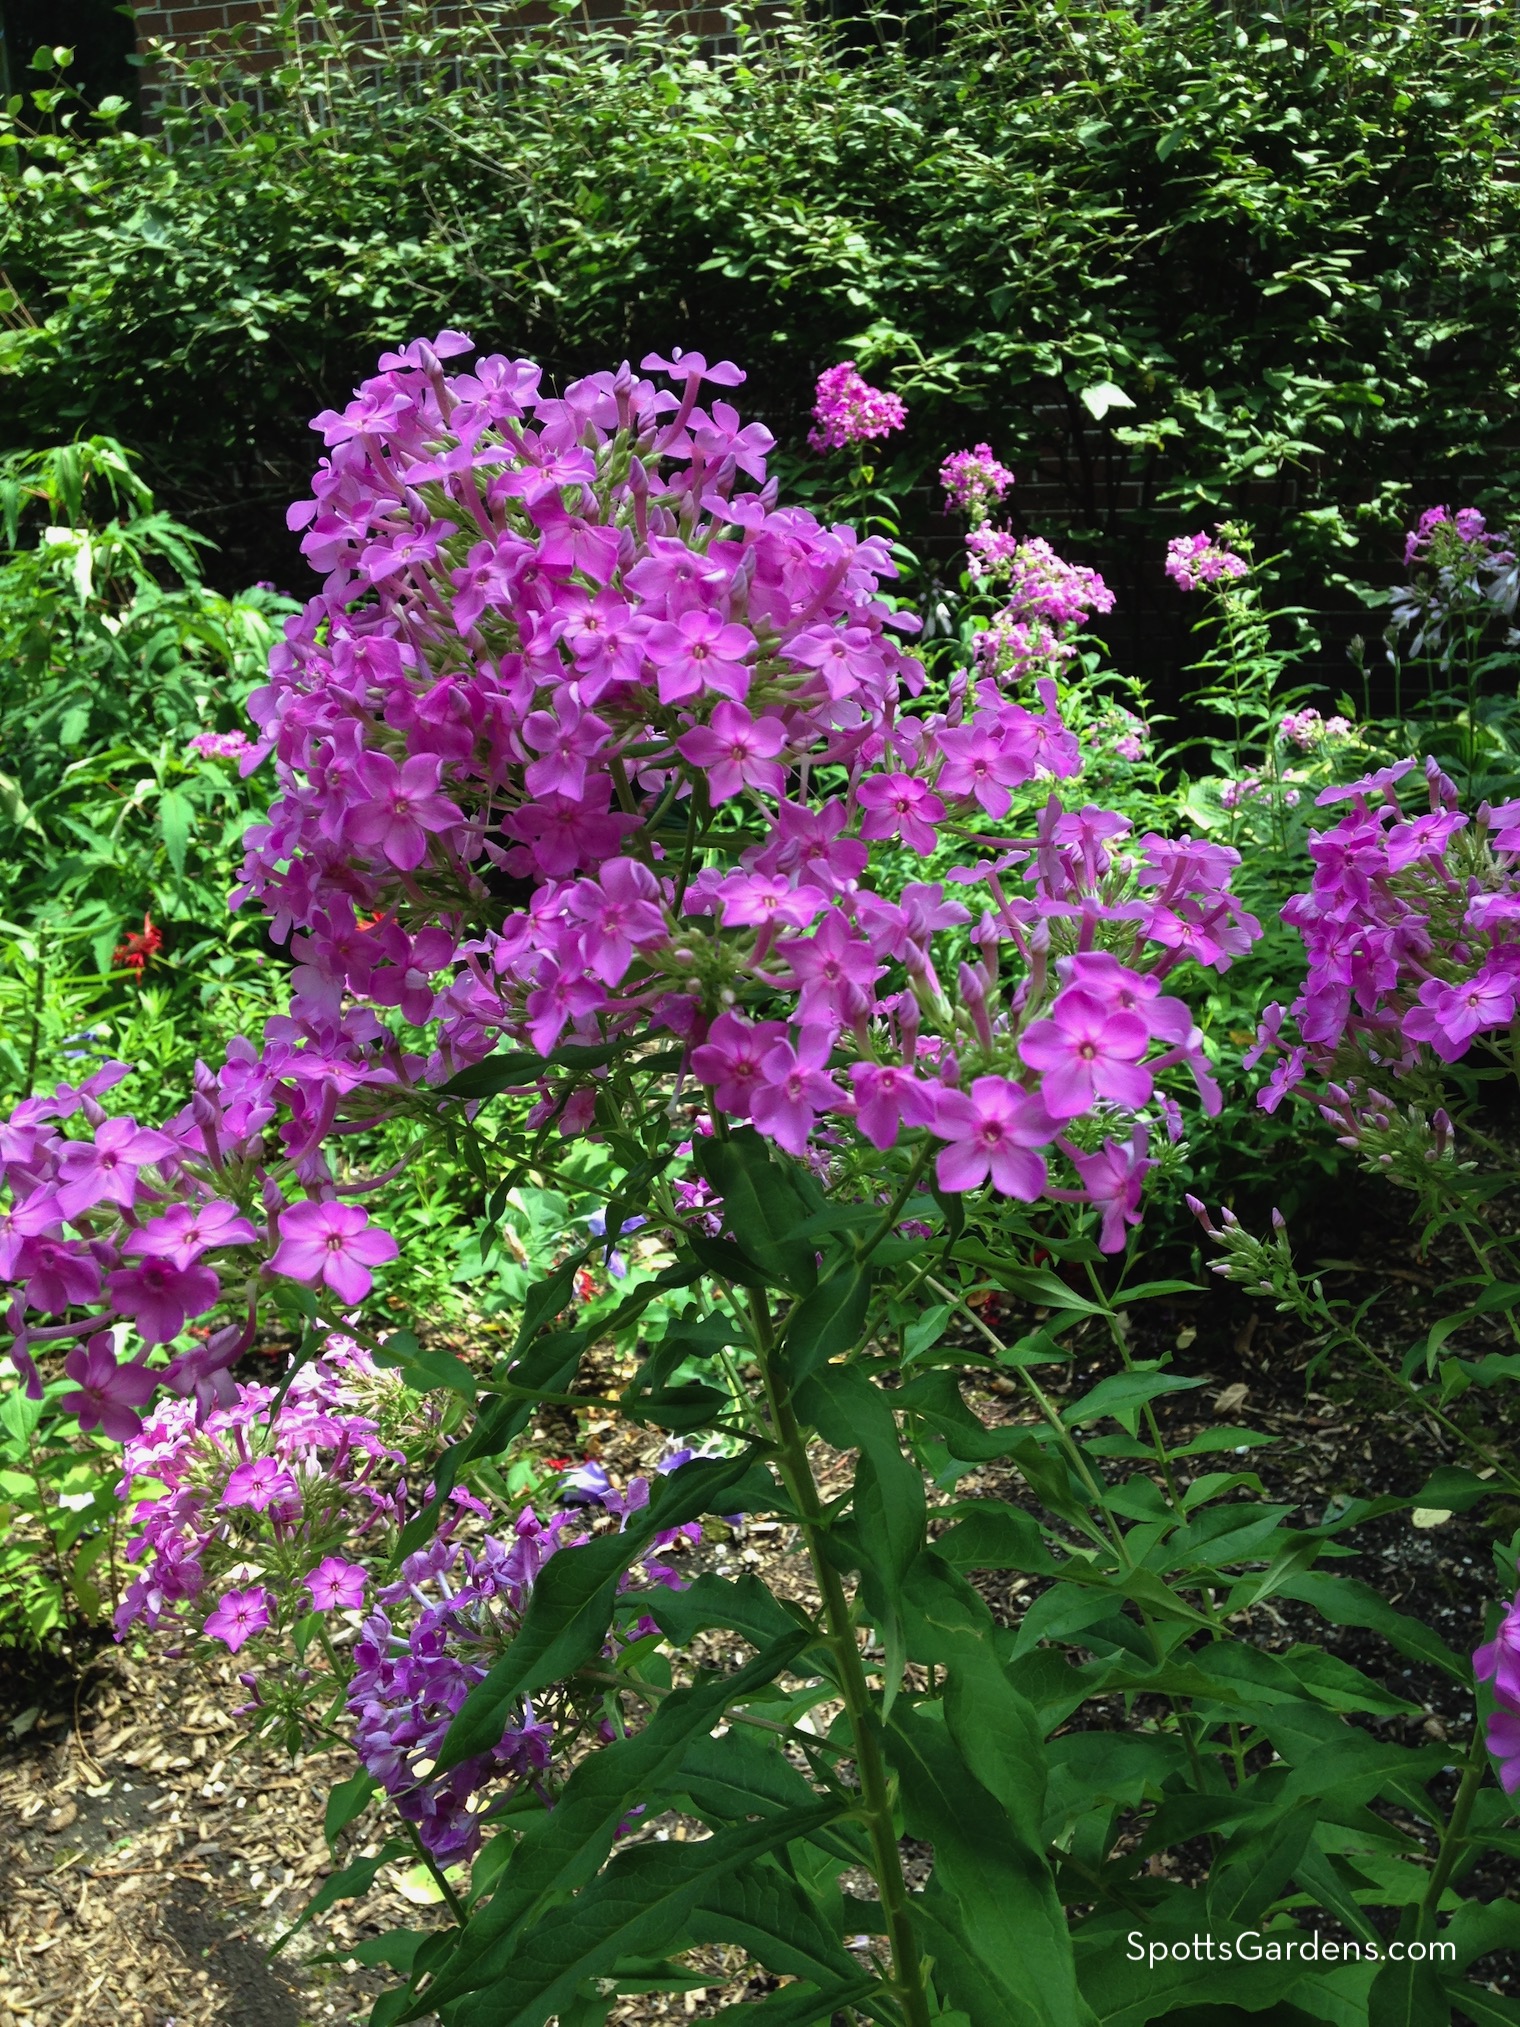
{"points": [[1177, 262]]}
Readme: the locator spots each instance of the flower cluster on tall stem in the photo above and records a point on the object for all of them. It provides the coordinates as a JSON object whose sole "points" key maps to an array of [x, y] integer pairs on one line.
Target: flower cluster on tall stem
{"points": [[569, 647]]}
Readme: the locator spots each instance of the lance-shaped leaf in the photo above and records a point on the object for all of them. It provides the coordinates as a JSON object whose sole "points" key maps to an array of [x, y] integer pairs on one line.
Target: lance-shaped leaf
{"points": [[801, 2005], [1011, 1965], [829, 1321], [763, 1204], [764, 1912], [563, 1849], [570, 1608], [641, 1905], [1346, 1602], [747, 1608]]}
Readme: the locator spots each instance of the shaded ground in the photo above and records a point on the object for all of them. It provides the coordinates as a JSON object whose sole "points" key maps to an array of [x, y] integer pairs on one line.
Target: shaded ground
{"points": [[148, 1865]]}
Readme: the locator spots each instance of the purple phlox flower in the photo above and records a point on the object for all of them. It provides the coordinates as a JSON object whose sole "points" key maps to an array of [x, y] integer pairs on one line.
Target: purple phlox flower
{"points": [[1498, 1660], [58, 1274], [1422, 837], [730, 1060], [835, 969], [336, 1585], [587, 1484], [888, 1097], [262, 1484], [900, 805], [1192, 560], [238, 1616], [1376, 783], [220, 745], [700, 651], [992, 1130], [1268, 1036], [846, 410], [736, 751], [1449, 1015], [692, 366], [160, 1294], [621, 912], [974, 480], [1086, 1051], [1113, 1181], [184, 1232], [333, 1243], [402, 806], [108, 1393], [795, 1087], [104, 1169]]}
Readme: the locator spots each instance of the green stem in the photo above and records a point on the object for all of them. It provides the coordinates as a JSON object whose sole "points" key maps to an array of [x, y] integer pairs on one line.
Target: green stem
{"points": [[34, 1045], [455, 1904], [870, 1763], [1454, 1836]]}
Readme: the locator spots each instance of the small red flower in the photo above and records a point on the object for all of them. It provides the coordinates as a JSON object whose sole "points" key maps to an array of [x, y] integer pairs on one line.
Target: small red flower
{"points": [[138, 945]]}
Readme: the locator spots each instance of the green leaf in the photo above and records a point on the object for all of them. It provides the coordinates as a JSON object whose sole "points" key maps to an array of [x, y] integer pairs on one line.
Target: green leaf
{"points": [[829, 1321], [522, 1067], [992, 1535], [1255, 1865], [348, 1884], [763, 1204], [176, 816], [571, 1604], [1037, 1285], [425, 1369], [564, 1848], [1123, 1394], [800, 2005], [1346, 1602], [746, 1607], [990, 1916], [764, 1913], [642, 1903], [345, 1804], [1129, 1974], [1408, 1995]]}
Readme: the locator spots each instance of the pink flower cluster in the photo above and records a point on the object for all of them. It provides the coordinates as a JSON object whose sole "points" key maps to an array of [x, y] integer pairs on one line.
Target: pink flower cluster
{"points": [[434, 1634], [1498, 1662], [1045, 601], [1306, 729], [1235, 795], [240, 1489], [847, 410], [1192, 560], [1440, 536], [220, 745], [1411, 926], [571, 647], [260, 1503], [1461, 576], [974, 481]]}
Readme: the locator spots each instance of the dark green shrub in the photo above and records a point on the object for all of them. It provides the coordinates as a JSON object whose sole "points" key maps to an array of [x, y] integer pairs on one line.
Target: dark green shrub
{"points": [[1176, 265]]}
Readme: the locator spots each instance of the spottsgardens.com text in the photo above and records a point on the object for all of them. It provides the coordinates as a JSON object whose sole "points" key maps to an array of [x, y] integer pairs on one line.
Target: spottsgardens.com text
{"points": [[1252, 1947]]}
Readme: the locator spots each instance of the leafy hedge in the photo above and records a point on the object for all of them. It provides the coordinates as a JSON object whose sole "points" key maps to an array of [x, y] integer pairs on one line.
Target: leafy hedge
{"points": [[1177, 263]]}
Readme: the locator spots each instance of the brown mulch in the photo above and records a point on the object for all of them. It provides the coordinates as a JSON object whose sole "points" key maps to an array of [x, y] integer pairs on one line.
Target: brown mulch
{"points": [[150, 1860]]}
